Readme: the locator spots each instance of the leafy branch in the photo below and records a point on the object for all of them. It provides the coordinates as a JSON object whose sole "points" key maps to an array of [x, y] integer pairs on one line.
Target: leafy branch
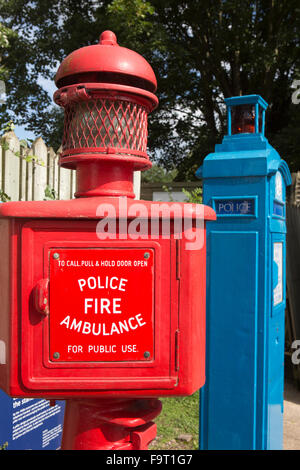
{"points": [[50, 193], [3, 196], [194, 196]]}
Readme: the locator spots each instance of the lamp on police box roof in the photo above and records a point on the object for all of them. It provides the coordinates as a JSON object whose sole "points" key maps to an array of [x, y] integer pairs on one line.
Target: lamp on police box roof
{"points": [[245, 115]]}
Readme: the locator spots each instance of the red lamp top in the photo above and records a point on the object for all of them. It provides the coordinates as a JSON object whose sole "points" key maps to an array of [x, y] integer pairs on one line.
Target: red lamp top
{"points": [[104, 59]]}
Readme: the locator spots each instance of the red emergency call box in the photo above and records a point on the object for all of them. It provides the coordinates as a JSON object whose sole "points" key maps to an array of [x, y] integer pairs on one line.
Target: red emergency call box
{"points": [[81, 315], [99, 298]]}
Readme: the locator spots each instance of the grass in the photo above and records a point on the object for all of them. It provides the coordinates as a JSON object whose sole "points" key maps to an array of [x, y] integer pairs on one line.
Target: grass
{"points": [[178, 424]]}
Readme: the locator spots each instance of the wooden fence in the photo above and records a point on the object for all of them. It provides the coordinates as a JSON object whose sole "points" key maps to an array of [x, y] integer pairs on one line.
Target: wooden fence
{"points": [[33, 173], [292, 317], [293, 196]]}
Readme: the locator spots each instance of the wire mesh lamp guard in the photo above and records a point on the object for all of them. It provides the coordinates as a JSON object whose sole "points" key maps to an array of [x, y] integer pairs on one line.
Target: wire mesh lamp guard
{"points": [[105, 124]]}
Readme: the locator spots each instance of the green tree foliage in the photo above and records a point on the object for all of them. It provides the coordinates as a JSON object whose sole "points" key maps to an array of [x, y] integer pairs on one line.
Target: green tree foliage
{"points": [[158, 174], [201, 52], [194, 196]]}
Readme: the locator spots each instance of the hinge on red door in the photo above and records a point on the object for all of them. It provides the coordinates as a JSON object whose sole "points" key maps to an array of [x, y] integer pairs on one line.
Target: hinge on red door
{"points": [[177, 350], [41, 299]]}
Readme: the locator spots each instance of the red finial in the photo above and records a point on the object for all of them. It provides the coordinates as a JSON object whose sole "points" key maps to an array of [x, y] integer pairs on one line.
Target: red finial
{"points": [[108, 38]]}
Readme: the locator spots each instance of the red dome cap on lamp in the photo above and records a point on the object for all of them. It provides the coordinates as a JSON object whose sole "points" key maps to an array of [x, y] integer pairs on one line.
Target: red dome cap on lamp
{"points": [[107, 92]]}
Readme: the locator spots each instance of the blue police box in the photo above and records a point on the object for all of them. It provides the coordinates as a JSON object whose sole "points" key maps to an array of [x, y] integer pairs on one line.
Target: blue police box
{"points": [[241, 404]]}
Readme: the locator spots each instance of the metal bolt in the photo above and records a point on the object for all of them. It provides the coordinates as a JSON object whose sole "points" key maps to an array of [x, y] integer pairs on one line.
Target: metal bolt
{"points": [[56, 355], [146, 354], [56, 255], [146, 255]]}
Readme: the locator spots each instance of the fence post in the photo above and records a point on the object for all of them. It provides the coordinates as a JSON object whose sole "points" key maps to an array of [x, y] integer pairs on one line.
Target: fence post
{"points": [[11, 166], [39, 169]]}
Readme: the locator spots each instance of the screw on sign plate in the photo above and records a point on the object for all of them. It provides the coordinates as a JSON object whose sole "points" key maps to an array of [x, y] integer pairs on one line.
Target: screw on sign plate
{"points": [[146, 354], [146, 255], [56, 255], [56, 355]]}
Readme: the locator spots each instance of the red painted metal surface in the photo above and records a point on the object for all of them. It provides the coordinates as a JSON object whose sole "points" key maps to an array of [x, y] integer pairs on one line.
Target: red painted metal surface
{"points": [[108, 179], [178, 363], [102, 304], [109, 424], [106, 57], [41, 296]]}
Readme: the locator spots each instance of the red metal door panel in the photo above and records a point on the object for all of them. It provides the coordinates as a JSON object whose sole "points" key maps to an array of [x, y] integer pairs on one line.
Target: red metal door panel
{"points": [[101, 305], [155, 284]]}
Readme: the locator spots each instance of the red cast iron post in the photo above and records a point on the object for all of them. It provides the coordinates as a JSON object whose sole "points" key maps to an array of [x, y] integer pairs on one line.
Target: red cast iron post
{"points": [[107, 92]]}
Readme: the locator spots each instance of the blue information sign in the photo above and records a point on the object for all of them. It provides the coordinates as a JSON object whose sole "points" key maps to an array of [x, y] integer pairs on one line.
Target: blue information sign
{"points": [[30, 424], [235, 206]]}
